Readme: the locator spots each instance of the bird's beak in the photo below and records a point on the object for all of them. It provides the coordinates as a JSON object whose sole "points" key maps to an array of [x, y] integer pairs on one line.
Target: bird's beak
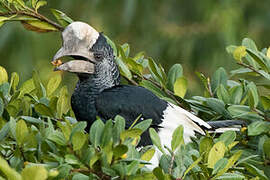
{"points": [[77, 66]]}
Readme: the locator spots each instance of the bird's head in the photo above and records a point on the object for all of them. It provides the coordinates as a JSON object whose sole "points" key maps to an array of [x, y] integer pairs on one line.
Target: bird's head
{"points": [[93, 56]]}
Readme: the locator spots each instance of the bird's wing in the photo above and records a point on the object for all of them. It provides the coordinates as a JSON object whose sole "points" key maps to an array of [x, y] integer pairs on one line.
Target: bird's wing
{"points": [[132, 101]]}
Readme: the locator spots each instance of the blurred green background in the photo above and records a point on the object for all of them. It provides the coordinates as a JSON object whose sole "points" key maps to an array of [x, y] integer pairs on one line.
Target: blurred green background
{"points": [[194, 33]]}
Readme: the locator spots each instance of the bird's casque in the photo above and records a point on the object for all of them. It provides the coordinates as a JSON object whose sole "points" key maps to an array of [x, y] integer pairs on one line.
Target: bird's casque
{"points": [[99, 93]]}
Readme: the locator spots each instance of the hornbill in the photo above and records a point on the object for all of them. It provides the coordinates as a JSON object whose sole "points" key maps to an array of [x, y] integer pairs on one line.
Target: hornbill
{"points": [[99, 93]]}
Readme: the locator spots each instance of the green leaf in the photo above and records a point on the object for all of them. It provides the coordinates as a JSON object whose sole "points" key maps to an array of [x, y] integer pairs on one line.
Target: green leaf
{"points": [[4, 131], [195, 163], [43, 110], [95, 133], [61, 17], [131, 133], [219, 77], [144, 125], [216, 153], [249, 43], [231, 176], [106, 136], [230, 163], [235, 94], [58, 138], [218, 106], [255, 171], [155, 139], [39, 26], [124, 70], [220, 164], [180, 87], [21, 132], [10, 173], [79, 127], [40, 4], [63, 102], [257, 57], [155, 71], [27, 87], [3, 75], [156, 90], [239, 53], [112, 44], [14, 81], [35, 173], [206, 144], [223, 94], [66, 128], [175, 72], [158, 173], [266, 147], [78, 140], [119, 127], [120, 150], [2, 106], [148, 155], [32, 120], [264, 100], [177, 138], [227, 137], [258, 127], [253, 95], [230, 49], [79, 176], [53, 83]]}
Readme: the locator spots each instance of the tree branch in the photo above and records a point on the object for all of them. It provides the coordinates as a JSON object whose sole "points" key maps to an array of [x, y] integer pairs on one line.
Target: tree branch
{"points": [[34, 14]]}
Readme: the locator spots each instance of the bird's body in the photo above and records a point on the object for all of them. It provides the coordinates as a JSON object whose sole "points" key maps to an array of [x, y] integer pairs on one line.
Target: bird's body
{"points": [[99, 93]]}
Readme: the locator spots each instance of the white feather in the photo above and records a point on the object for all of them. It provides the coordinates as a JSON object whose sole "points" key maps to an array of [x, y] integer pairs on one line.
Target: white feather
{"points": [[173, 117]]}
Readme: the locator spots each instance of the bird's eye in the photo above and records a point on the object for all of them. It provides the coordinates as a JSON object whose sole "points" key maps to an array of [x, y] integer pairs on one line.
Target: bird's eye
{"points": [[98, 56]]}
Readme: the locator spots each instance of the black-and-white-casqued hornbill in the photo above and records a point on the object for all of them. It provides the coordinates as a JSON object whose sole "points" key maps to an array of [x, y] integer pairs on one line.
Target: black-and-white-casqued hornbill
{"points": [[99, 92]]}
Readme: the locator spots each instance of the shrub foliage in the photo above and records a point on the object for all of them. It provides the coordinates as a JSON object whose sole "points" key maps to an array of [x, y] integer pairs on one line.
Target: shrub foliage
{"points": [[41, 139]]}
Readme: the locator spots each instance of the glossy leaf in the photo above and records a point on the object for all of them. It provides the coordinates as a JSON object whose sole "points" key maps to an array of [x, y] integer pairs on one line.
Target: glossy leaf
{"points": [[53, 83], [63, 102], [95, 133], [177, 137], [21, 132], [175, 72], [216, 153], [155, 139], [239, 53], [78, 140], [180, 87], [3, 75], [35, 173]]}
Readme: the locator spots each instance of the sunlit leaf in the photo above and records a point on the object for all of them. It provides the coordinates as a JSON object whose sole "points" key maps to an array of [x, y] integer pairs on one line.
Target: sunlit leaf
{"points": [[180, 87], [35, 173], [177, 137], [239, 53], [3, 75], [216, 153], [10, 173]]}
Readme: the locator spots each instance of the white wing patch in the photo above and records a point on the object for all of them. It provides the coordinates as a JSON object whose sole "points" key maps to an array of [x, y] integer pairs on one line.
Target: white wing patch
{"points": [[173, 117]]}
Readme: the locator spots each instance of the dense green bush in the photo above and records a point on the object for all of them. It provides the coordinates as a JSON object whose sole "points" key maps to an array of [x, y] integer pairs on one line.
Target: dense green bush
{"points": [[41, 139]]}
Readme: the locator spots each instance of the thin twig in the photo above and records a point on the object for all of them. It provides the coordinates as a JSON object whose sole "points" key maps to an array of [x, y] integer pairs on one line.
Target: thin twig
{"points": [[171, 163], [250, 67], [34, 14]]}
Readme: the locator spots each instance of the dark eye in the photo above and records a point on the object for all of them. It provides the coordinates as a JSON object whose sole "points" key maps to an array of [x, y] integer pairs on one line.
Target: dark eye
{"points": [[98, 56]]}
